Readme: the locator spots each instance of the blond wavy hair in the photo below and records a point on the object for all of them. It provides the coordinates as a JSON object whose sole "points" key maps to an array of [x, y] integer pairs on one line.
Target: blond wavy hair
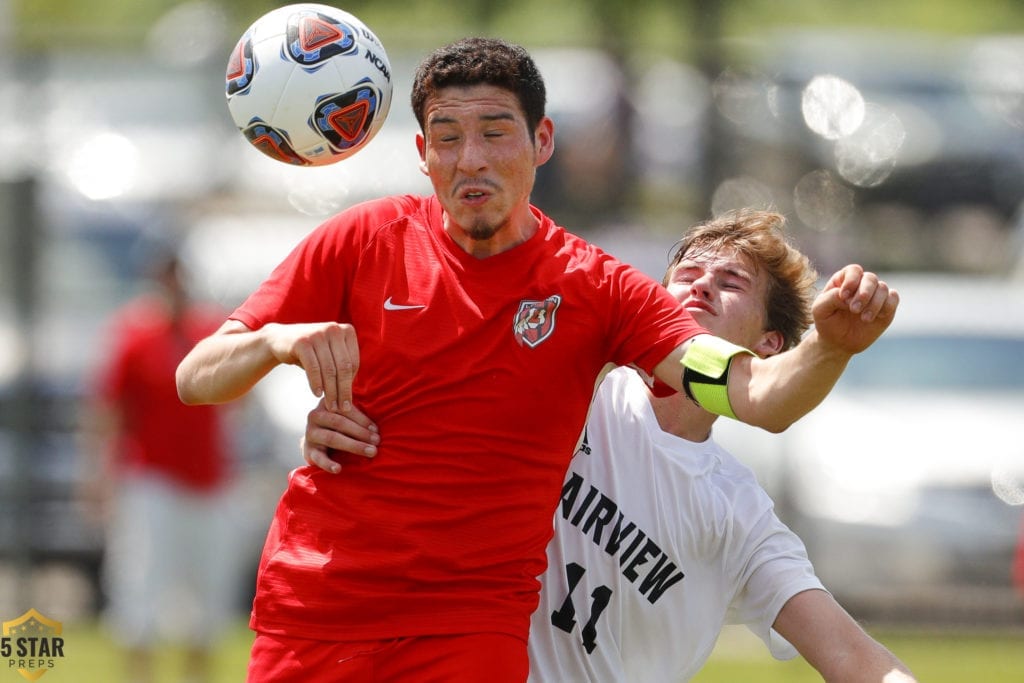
{"points": [[760, 236]]}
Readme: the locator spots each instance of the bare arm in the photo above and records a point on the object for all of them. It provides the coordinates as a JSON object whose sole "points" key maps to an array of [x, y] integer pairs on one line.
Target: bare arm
{"points": [[834, 644], [225, 365], [852, 311]]}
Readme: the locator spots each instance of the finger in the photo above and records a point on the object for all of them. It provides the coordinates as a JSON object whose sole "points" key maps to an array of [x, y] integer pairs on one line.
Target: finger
{"points": [[851, 278], [835, 281], [360, 419], [892, 302], [345, 351], [326, 430], [306, 357], [827, 303], [329, 440], [318, 457], [887, 311], [866, 295], [328, 373], [873, 306]]}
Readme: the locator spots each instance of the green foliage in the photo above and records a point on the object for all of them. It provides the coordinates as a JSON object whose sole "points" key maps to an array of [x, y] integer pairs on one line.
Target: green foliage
{"points": [[954, 17], [659, 25]]}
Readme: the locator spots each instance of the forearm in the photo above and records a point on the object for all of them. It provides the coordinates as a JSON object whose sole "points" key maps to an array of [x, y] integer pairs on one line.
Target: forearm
{"points": [[865, 661], [770, 393], [224, 366], [775, 392], [834, 644]]}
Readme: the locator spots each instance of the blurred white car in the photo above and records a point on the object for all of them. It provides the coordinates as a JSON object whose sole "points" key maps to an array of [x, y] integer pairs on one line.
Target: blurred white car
{"points": [[907, 483]]}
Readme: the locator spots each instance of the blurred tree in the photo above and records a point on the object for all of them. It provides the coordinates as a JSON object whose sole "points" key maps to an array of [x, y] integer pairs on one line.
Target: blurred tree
{"points": [[116, 24]]}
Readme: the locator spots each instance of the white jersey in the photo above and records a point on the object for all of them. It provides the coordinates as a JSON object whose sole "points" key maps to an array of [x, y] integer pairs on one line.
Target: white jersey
{"points": [[659, 542]]}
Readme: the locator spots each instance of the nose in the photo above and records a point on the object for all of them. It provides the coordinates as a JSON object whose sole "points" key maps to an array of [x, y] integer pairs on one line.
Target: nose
{"points": [[702, 286], [471, 155]]}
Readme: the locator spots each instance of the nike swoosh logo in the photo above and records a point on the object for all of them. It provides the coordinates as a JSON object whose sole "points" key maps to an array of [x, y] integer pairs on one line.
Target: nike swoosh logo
{"points": [[391, 306]]}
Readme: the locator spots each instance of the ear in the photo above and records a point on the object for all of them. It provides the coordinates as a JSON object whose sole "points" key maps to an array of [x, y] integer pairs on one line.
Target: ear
{"points": [[421, 147], [769, 344], [544, 141]]}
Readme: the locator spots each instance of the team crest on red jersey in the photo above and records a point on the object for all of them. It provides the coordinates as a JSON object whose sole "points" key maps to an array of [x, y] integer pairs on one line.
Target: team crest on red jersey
{"points": [[535, 320]]}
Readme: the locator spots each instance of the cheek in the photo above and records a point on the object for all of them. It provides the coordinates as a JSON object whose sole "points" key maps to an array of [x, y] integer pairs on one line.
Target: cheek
{"points": [[678, 290]]}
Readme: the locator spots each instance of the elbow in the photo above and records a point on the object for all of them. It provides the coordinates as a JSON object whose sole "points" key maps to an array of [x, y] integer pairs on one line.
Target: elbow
{"points": [[186, 391], [764, 415], [775, 427], [778, 422], [769, 420]]}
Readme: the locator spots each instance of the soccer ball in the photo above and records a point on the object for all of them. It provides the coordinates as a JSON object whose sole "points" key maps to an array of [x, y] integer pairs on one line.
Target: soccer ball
{"points": [[309, 84]]}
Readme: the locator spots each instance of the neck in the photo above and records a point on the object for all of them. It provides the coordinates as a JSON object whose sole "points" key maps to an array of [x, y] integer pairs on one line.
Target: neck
{"points": [[482, 243], [681, 417]]}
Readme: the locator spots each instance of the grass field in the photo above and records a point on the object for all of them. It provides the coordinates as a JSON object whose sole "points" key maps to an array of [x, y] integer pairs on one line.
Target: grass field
{"points": [[934, 656]]}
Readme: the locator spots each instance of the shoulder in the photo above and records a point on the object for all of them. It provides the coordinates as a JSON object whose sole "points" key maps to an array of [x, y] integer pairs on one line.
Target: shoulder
{"points": [[737, 483], [361, 223], [377, 212]]}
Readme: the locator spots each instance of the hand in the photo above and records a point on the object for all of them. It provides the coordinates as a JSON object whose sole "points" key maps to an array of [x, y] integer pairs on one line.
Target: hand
{"points": [[854, 309], [328, 352], [351, 432]]}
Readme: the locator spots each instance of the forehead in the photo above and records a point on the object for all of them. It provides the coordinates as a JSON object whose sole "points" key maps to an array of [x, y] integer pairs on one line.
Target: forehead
{"points": [[717, 258], [458, 103]]}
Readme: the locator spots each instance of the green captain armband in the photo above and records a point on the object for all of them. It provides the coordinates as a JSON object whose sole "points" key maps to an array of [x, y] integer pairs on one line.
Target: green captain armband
{"points": [[706, 372]]}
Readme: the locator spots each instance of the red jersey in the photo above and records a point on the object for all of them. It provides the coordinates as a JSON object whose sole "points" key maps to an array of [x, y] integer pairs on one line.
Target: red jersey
{"points": [[479, 373], [159, 433]]}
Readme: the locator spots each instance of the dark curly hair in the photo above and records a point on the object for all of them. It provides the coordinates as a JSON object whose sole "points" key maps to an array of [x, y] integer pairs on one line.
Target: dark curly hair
{"points": [[487, 61]]}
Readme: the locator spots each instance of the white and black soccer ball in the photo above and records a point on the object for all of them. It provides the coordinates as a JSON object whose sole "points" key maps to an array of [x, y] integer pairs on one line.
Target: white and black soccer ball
{"points": [[309, 84]]}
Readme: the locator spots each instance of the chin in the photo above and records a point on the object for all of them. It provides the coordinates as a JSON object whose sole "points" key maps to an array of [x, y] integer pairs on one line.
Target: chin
{"points": [[481, 232], [700, 315]]}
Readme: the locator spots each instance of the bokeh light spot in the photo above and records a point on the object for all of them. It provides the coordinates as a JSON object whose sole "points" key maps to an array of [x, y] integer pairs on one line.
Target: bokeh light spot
{"points": [[741, 192], [104, 166], [832, 107], [822, 201], [1008, 487], [868, 155]]}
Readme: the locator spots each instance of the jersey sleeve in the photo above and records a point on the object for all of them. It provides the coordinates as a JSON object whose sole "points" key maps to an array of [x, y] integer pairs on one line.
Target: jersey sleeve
{"points": [[776, 569], [647, 322], [313, 282], [297, 290]]}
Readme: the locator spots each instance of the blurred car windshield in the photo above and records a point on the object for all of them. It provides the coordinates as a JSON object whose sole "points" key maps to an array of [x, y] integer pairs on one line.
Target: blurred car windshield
{"points": [[939, 361]]}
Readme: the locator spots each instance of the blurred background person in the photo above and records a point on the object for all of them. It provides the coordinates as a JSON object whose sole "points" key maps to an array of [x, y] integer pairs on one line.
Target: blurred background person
{"points": [[1018, 563], [162, 477]]}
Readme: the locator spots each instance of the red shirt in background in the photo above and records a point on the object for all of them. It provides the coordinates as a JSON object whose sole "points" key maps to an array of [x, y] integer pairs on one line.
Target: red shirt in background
{"points": [[158, 432]]}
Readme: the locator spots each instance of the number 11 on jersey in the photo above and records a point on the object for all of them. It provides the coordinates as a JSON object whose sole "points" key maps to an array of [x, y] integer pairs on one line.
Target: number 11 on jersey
{"points": [[565, 616]]}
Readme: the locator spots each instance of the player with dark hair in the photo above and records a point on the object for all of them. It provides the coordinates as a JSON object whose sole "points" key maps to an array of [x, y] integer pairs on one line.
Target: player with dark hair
{"points": [[482, 330]]}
